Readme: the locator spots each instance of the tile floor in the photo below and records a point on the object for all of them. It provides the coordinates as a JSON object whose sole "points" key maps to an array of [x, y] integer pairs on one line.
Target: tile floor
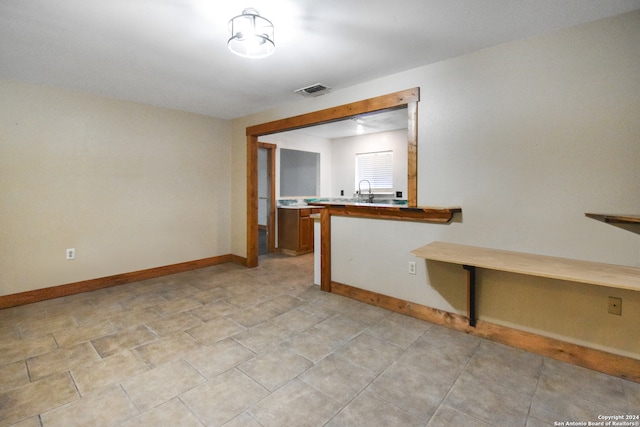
{"points": [[233, 346]]}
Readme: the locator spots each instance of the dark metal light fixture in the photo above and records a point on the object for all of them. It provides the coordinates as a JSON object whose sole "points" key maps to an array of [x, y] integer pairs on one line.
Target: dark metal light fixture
{"points": [[251, 35]]}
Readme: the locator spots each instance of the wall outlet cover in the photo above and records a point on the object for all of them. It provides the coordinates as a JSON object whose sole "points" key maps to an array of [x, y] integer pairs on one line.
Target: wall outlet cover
{"points": [[615, 306], [412, 267]]}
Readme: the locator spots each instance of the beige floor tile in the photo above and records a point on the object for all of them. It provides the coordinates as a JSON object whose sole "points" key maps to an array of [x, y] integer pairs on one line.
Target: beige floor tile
{"points": [[75, 335], [252, 315], [458, 347], [35, 328], [13, 375], [123, 340], [65, 307], [245, 298], [367, 410], [23, 313], [632, 392], [211, 295], [443, 361], [29, 422], [400, 334], [212, 310], [224, 397], [178, 294], [142, 302], [313, 344], [172, 413], [61, 360], [499, 407], [238, 286], [112, 296], [275, 367], [132, 318], [561, 394], [370, 353], [159, 385], [167, 348], [553, 408], [409, 390], [174, 323], [447, 416], [296, 320], [318, 306], [177, 306], [8, 332], [108, 407], [218, 358], [338, 378], [281, 304], [358, 310], [96, 313], [534, 422], [110, 370], [215, 330], [408, 321], [15, 350], [562, 378], [35, 398], [496, 364], [262, 336], [243, 420], [342, 326], [295, 404]]}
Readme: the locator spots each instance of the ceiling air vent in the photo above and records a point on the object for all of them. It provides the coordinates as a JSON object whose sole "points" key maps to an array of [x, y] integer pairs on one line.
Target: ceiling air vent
{"points": [[313, 90]]}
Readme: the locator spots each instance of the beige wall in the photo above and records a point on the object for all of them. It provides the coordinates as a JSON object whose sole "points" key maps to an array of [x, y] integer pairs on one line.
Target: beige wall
{"points": [[526, 137], [344, 152], [128, 186]]}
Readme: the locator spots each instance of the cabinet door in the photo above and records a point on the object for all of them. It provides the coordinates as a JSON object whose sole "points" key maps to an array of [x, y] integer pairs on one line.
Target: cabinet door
{"points": [[306, 234], [288, 229]]}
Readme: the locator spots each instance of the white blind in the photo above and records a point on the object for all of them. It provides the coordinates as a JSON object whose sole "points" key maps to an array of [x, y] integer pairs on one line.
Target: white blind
{"points": [[377, 168]]}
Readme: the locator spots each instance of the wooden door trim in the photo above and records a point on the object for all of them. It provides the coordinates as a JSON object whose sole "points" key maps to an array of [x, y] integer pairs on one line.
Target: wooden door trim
{"points": [[271, 214]]}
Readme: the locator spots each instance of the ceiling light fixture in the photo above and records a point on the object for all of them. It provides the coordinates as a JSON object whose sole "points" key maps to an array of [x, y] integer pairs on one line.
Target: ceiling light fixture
{"points": [[251, 35]]}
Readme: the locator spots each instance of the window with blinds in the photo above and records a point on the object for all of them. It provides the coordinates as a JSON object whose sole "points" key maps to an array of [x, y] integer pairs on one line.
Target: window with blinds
{"points": [[377, 168]]}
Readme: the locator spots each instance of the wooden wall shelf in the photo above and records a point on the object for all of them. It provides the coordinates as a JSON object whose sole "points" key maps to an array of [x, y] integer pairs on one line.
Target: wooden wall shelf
{"points": [[615, 219], [470, 257], [593, 273]]}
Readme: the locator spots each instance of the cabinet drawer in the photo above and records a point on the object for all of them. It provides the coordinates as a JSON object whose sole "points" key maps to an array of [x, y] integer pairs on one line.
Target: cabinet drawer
{"points": [[305, 212]]}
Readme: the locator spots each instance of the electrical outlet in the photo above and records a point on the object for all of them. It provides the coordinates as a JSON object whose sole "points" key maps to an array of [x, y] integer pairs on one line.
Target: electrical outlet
{"points": [[615, 306], [412, 267], [71, 253]]}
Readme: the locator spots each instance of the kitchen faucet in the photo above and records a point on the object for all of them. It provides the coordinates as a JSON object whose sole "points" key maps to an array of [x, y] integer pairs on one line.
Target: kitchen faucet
{"points": [[360, 191]]}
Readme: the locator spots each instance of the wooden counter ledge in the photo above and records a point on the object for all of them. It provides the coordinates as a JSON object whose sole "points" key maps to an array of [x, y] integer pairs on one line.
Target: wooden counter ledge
{"points": [[391, 212]]}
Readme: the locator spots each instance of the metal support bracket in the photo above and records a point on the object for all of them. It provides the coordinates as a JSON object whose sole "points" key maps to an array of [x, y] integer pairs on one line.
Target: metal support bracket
{"points": [[471, 294]]}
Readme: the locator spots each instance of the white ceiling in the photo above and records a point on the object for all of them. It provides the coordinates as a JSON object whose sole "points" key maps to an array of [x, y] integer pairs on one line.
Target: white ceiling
{"points": [[381, 121], [172, 53]]}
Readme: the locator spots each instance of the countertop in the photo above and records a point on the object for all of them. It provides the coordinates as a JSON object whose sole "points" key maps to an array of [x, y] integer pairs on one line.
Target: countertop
{"points": [[300, 207]]}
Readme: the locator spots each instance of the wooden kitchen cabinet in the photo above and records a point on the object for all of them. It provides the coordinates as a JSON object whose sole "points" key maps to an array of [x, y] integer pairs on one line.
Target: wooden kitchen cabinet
{"points": [[295, 230]]}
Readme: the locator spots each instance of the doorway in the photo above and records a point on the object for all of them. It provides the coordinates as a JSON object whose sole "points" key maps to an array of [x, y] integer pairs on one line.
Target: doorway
{"points": [[409, 97], [266, 198]]}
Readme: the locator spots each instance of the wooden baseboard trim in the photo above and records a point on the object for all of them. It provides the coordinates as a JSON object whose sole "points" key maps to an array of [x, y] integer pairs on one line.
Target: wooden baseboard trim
{"points": [[237, 259], [597, 360], [106, 282]]}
